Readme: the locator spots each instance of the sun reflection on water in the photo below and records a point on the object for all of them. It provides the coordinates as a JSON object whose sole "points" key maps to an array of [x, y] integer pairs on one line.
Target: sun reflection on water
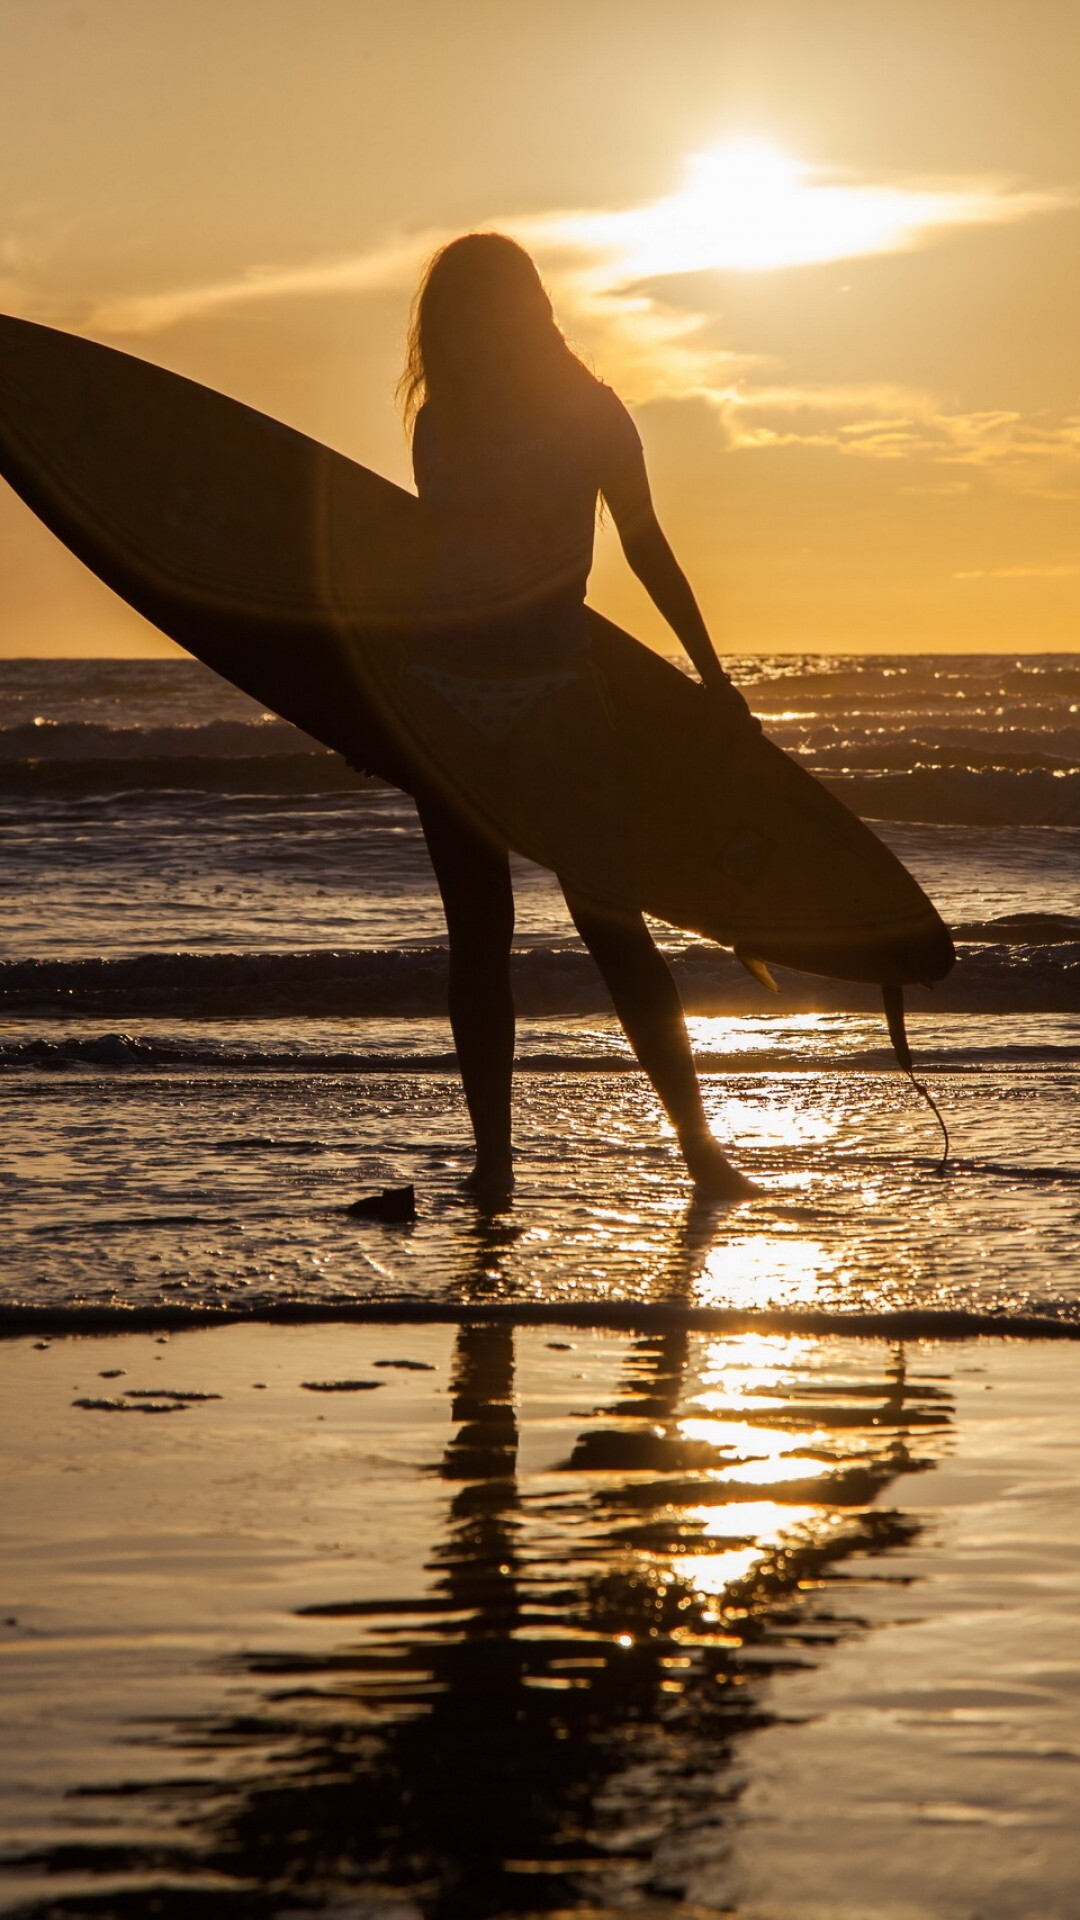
{"points": [[748, 1362], [765, 1269], [755, 1531], [766, 1521], [781, 1468], [750, 1442], [742, 1033], [712, 1573]]}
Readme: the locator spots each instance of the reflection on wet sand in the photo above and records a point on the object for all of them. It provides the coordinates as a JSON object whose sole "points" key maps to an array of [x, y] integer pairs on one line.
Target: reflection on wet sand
{"points": [[553, 1722]]}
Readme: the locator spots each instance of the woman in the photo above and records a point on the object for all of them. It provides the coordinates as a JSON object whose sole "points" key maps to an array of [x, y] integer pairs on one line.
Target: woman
{"points": [[513, 442]]}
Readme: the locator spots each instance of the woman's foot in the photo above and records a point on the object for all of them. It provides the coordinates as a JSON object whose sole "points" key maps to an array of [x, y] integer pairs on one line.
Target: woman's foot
{"points": [[714, 1176], [491, 1184]]}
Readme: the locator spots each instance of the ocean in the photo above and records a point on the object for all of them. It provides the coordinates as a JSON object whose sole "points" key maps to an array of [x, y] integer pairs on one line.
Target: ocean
{"points": [[222, 991]]}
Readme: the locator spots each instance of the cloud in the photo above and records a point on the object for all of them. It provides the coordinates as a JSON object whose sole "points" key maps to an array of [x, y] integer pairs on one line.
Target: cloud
{"points": [[895, 424], [738, 208], [395, 263]]}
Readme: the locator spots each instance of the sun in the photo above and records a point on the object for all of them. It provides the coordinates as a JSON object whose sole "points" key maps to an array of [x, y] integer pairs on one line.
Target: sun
{"points": [[748, 206], [744, 204]]}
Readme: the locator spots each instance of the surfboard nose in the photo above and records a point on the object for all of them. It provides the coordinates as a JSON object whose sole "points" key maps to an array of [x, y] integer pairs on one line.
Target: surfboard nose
{"points": [[915, 950]]}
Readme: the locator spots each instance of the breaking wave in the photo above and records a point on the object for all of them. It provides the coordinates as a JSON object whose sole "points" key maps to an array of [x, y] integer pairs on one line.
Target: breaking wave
{"points": [[998, 976], [183, 1054]]}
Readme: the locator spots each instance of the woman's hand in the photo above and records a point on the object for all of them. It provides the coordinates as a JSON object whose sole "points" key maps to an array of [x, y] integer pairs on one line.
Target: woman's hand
{"points": [[727, 702]]}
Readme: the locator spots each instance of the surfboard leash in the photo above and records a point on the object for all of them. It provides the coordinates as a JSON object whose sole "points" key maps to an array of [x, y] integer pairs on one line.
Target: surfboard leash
{"points": [[892, 995]]}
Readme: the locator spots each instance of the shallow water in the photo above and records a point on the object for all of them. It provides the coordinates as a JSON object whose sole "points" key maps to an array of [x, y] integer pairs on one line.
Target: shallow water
{"points": [[227, 1185]]}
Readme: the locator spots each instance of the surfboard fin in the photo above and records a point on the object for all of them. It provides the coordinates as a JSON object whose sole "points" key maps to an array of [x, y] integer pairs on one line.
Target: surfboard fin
{"points": [[758, 970], [892, 995]]}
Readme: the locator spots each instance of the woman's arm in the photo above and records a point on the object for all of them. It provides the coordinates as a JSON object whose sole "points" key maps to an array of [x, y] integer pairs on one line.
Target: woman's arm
{"points": [[647, 551]]}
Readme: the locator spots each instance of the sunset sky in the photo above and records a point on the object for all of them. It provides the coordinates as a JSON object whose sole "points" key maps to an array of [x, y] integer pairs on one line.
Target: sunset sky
{"points": [[827, 250]]}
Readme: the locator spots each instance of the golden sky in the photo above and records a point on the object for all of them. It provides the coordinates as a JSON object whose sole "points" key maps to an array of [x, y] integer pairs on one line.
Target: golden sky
{"points": [[826, 249]]}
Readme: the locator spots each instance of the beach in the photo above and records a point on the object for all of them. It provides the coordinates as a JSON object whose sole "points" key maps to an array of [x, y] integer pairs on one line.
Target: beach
{"points": [[539, 1619], [613, 1553]]}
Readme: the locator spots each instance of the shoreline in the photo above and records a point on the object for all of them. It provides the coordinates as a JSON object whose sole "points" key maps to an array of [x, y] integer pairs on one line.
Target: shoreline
{"points": [[18, 1320]]}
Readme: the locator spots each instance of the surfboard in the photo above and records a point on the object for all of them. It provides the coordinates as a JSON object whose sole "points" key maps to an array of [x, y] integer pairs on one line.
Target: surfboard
{"points": [[300, 576]]}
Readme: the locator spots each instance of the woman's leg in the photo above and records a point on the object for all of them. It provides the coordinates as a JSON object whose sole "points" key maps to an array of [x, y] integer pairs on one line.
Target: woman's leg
{"points": [[474, 880], [647, 1002]]}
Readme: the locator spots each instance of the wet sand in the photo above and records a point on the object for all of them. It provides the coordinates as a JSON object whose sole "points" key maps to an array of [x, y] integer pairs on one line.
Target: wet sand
{"points": [[474, 1621]]}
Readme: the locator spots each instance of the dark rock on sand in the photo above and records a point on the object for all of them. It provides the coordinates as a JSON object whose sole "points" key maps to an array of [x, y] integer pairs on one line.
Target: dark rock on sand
{"points": [[341, 1386], [394, 1204]]}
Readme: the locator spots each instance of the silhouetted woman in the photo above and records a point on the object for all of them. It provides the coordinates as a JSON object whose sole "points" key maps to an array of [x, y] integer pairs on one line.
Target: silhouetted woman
{"points": [[513, 442]]}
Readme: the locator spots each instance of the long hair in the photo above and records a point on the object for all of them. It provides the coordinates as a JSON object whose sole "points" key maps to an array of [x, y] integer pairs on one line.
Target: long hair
{"points": [[482, 334]]}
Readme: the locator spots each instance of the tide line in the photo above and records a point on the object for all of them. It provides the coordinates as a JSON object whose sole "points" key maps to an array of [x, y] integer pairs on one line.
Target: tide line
{"points": [[1058, 1320]]}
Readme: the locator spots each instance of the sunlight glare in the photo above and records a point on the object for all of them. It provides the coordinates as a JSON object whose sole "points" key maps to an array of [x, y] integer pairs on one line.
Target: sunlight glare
{"points": [[765, 1521], [747, 206], [743, 199]]}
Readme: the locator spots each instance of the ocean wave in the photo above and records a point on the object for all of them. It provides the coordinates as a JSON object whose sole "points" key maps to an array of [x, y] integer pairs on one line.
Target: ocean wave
{"points": [[992, 692], [947, 740], [961, 795], [918, 681], [996, 976], [150, 1052], [309, 770], [969, 797], [1022, 929], [872, 750], [82, 740]]}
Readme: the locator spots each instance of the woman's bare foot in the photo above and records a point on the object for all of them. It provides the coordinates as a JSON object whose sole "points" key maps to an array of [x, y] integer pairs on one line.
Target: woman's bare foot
{"points": [[714, 1176], [491, 1185]]}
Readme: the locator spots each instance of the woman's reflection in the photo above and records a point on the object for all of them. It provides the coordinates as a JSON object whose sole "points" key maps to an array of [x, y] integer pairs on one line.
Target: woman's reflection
{"points": [[555, 1721]]}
